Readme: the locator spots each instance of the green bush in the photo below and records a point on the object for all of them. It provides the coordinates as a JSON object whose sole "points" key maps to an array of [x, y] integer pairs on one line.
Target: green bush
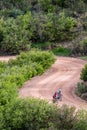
{"points": [[15, 34], [14, 73], [15, 12], [61, 51], [83, 75], [30, 114], [81, 88], [37, 114], [81, 123], [83, 45], [64, 118], [2, 121], [8, 92], [10, 13], [80, 47], [2, 67]]}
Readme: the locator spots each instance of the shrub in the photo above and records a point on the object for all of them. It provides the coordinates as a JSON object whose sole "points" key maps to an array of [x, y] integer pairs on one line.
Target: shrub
{"points": [[81, 88], [83, 45], [30, 114], [8, 92], [2, 121], [15, 13], [37, 114], [61, 51], [84, 96], [2, 67], [81, 123], [64, 118], [15, 34], [79, 47], [2, 64], [84, 73], [14, 73]]}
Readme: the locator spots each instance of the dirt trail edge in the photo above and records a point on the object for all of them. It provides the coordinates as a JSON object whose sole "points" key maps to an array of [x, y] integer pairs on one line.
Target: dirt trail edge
{"points": [[6, 58], [64, 74]]}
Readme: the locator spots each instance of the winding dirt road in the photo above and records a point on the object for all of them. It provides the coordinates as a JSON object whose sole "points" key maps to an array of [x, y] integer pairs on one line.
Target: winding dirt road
{"points": [[64, 74]]}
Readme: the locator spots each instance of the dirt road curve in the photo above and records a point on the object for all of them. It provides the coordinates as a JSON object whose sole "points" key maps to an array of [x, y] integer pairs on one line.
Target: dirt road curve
{"points": [[64, 74]]}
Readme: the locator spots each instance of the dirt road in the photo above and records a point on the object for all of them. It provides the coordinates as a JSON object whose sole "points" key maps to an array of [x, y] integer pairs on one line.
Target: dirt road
{"points": [[64, 74], [6, 58]]}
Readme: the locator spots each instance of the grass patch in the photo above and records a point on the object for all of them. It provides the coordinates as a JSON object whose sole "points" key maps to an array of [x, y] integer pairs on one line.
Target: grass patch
{"points": [[42, 46], [61, 51], [83, 57]]}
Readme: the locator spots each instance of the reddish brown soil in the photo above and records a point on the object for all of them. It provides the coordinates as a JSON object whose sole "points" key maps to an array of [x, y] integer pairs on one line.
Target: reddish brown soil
{"points": [[64, 74], [6, 58]]}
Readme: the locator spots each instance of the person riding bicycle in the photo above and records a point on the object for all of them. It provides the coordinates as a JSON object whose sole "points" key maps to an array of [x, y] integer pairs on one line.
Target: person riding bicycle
{"points": [[57, 94]]}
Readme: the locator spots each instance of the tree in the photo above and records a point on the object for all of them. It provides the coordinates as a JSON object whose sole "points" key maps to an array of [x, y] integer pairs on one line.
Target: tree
{"points": [[16, 34]]}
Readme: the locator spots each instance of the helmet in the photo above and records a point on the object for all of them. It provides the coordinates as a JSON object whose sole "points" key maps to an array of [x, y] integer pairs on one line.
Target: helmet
{"points": [[59, 91]]}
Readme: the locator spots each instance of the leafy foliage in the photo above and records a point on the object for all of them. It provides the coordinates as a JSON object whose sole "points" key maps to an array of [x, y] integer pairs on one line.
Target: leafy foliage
{"points": [[25, 22], [61, 51], [15, 35], [29, 114], [82, 122], [16, 72], [81, 88], [84, 46], [84, 73]]}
